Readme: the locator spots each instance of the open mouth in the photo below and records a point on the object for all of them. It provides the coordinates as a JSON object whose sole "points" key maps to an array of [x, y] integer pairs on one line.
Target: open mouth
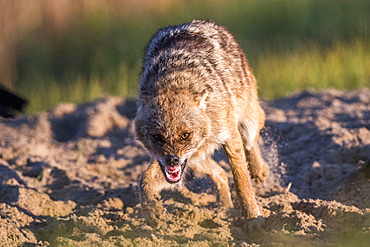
{"points": [[173, 174]]}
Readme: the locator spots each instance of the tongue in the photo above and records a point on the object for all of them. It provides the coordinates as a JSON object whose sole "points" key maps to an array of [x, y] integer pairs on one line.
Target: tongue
{"points": [[173, 173]]}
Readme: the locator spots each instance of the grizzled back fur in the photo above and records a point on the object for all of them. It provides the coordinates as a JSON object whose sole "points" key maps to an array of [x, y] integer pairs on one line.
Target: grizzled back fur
{"points": [[202, 48]]}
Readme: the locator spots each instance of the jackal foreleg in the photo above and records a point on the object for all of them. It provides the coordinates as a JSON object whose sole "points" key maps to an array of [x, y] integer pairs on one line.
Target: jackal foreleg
{"points": [[151, 183], [235, 152]]}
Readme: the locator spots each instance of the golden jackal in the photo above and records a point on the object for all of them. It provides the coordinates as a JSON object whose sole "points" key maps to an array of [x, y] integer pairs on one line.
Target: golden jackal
{"points": [[196, 94]]}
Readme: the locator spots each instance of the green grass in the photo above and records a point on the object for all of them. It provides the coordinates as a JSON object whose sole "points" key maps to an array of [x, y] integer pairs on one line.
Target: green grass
{"points": [[342, 66], [291, 45]]}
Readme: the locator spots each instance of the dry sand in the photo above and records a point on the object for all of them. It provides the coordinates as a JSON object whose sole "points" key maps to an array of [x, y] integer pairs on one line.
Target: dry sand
{"points": [[68, 177]]}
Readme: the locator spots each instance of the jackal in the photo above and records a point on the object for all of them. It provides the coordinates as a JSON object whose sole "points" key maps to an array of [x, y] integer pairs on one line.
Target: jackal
{"points": [[196, 94]]}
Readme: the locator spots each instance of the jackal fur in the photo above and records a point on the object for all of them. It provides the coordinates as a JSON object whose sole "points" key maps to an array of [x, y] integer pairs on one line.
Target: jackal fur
{"points": [[196, 94]]}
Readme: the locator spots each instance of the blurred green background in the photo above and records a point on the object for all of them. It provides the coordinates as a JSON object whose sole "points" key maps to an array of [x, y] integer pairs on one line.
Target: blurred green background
{"points": [[74, 51]]}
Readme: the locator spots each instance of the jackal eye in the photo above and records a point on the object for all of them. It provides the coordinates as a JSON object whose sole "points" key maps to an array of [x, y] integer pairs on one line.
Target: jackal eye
{"points": [[184, 136], [158, 137]]}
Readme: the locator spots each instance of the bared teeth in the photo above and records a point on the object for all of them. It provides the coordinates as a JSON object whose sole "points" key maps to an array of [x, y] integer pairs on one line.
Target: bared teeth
{"points": [[173, 173], [173, 169]]}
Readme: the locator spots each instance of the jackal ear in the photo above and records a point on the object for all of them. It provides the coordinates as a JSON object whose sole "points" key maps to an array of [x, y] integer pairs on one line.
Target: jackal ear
{"points": [[202, 102], [201, 98]]}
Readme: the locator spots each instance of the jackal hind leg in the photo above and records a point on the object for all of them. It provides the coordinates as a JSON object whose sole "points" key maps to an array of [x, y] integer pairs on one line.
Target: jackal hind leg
{"points": [[219, 177], [257, 166], [249, 131]]}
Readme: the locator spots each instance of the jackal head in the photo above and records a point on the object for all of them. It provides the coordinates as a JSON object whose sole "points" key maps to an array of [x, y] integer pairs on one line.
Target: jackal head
{"points": [[172, 125]]}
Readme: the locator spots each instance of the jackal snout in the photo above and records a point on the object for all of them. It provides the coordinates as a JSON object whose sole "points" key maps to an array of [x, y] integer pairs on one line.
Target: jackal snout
{"points": [[172, 160]]}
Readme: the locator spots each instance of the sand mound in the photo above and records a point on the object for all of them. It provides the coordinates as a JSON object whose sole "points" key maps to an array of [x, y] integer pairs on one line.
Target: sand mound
{"points": [[68, 177]]}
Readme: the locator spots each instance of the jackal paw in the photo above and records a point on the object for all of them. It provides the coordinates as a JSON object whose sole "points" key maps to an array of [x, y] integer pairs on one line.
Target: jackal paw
{"points": [[154, 214], [260, 174], [254, 221], [254, 225]]}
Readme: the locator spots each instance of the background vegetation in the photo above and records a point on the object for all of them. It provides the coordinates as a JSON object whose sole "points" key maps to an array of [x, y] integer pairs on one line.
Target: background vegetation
{"points": [[75, 51]]}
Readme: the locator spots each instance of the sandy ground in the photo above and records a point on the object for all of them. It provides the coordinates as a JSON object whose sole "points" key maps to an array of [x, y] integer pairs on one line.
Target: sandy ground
{"points": [[68, 177]]}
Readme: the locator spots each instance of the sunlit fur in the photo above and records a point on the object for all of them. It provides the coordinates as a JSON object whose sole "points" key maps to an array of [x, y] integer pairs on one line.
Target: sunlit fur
{"points": [[195, 79]]}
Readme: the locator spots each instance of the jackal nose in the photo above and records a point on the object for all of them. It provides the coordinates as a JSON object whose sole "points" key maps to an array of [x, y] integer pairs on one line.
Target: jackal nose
{"points": [[172, 160]]}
